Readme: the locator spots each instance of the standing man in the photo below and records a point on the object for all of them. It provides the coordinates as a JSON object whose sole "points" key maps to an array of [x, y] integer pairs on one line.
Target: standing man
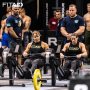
{"points": [[4, 36], [14, 26], [26, 25], [53, 22], [72, 24], [87, 32]]}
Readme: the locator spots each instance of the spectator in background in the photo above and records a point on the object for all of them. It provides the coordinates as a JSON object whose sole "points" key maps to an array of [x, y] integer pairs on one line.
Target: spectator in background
{"points": [[26, 25], [72, 24], [87, 32], [67, 12], [52, 23], [58, 15], [55, 25]]}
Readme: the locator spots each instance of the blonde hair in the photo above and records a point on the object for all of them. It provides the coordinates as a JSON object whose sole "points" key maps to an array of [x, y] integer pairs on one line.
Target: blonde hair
{"points": [[36, 33]]}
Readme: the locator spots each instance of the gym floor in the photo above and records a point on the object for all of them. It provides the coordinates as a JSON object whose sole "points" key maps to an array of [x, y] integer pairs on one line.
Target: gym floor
{"points": [[60, 85], [29, 84]]}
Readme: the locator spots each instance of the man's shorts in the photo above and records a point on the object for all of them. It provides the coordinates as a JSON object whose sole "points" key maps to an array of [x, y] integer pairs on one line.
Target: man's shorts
{"points": [[5, 40]]}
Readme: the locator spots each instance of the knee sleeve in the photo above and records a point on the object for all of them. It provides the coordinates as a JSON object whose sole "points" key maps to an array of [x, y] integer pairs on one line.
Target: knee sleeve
{"points": [[4, 54]]}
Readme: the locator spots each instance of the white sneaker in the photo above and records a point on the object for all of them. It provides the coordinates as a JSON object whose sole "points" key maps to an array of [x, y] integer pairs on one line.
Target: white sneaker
{"points": [[72, 73]]}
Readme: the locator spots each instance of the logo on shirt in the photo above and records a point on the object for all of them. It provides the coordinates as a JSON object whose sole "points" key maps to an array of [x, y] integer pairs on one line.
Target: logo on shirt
{"points": [[53, 23], [19, 23], [73, 48], [16, 21], [8, 24], [76, 21], [36, 46]]}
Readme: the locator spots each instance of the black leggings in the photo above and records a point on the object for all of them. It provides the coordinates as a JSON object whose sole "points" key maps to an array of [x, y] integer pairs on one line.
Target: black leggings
{"points": [[33, 64], [69, 64]]}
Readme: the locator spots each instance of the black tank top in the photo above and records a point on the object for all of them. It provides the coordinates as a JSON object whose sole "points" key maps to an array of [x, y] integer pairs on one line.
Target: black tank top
{"points": [[73, 50], [36, 48]]}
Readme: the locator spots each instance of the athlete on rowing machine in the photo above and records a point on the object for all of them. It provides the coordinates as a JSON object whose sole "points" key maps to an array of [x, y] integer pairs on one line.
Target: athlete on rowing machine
{"points": [[36, 46], [76, 49]]}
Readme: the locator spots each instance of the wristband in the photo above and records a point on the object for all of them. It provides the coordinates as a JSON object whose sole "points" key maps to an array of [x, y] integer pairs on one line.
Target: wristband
{"points": [[62, 52]]}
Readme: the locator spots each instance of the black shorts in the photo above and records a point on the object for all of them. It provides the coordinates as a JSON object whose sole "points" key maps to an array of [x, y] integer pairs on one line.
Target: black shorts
{"points": [[87, 38]]}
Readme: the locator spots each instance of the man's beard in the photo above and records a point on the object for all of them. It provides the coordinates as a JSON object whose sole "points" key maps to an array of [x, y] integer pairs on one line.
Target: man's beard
{"points": [[72, 16], [16, 14]]}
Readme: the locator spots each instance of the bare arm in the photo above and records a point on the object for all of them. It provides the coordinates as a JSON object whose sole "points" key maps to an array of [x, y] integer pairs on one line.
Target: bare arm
{"points": [[2, 25], [64, 32], [12, 33], [80, 30], [64, 50], [84, 17], [27, 24], [2, 28], [84, 52], [25, 53], [45, 46]]}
